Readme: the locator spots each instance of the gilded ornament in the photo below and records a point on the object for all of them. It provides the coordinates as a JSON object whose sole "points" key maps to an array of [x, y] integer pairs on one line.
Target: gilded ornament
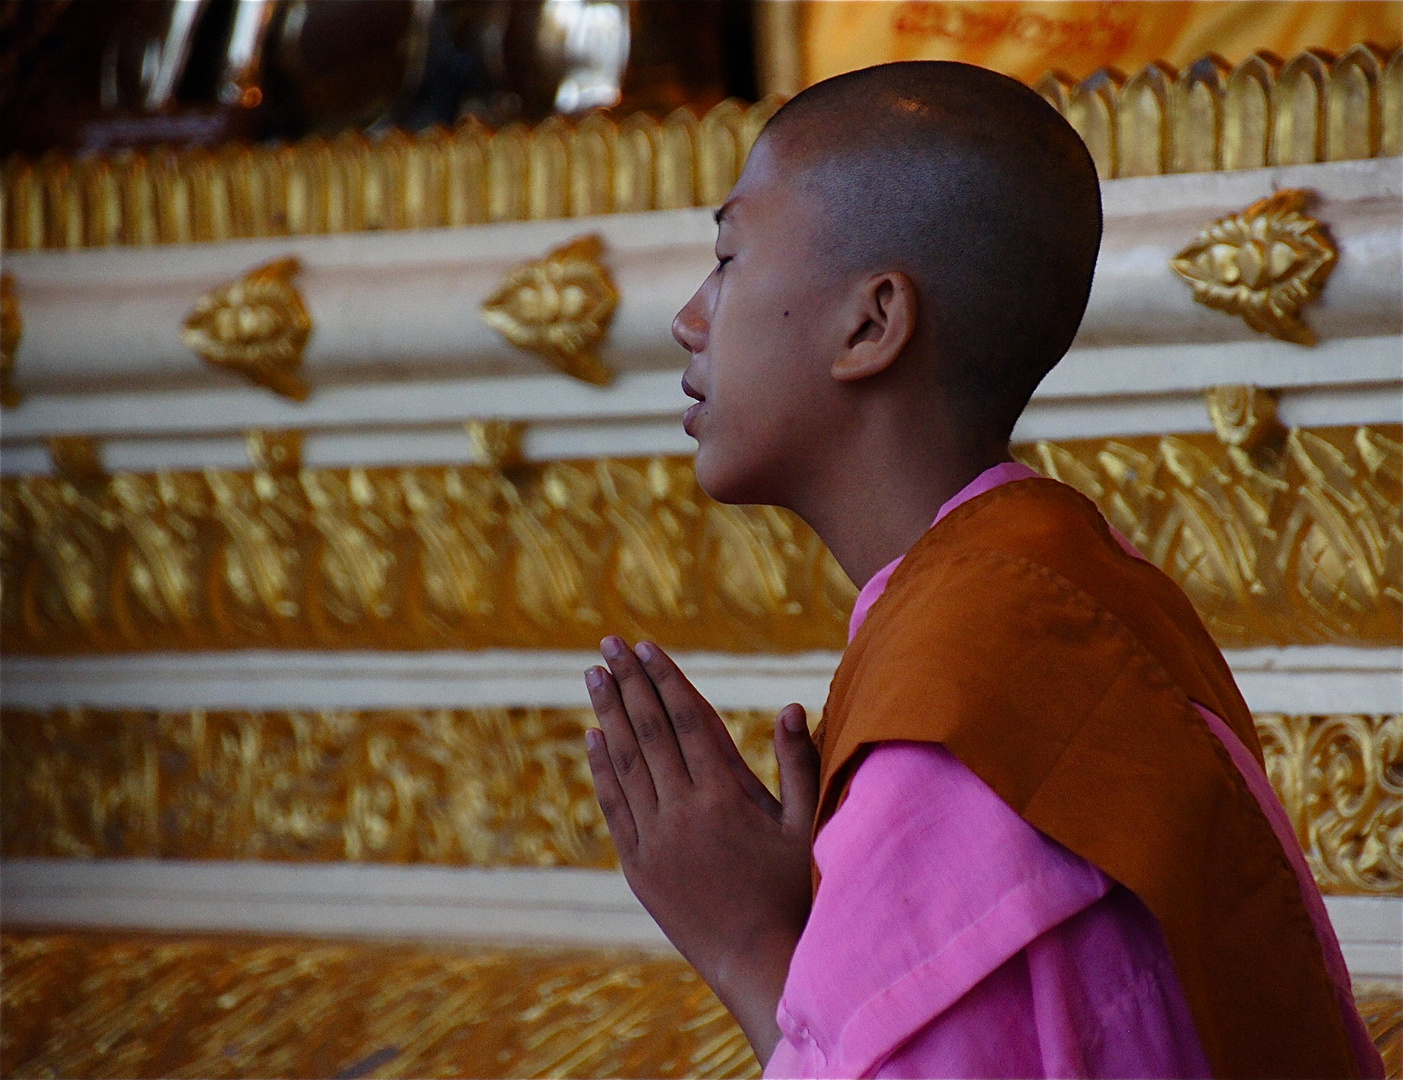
{"points": [[505, 787], [474, 787], [1263, 264], [1295, 541], [274, 451], [1204, 118], [1245, 416], [98, 1005], [256, 327], [559, 307], [77, 458], [496, 443], [11, 330]]}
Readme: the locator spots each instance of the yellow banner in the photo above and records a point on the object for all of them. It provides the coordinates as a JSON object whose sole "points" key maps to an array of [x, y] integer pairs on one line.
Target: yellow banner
{"points": [[1029, 39]]}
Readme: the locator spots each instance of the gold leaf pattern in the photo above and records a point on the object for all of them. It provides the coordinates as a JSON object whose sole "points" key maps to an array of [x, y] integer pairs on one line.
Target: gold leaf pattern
{"points": [[1264, 264], [1295, 541], [505, 787], [99, 1005], [480, 787], [1341, 781], [559, 307], [256, 327]]}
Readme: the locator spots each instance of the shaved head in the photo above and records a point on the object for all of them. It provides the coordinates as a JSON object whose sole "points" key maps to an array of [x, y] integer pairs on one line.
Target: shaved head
{"points": [[977, 189]]}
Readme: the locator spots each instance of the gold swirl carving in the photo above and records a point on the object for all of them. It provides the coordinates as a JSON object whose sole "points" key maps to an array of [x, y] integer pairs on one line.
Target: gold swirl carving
{"points": [[98, 1005], [1341, 781], [505, 787], [559, 307], [478, 787], [1381, 1006], [1263, 264], [1286, 544], [1205, 118], [256, 327], [11, 330]]}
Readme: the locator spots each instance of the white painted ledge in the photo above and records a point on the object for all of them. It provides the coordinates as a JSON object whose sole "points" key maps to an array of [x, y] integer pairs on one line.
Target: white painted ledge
{"points": [[573, 907], [570, 907], [1292, 679]]}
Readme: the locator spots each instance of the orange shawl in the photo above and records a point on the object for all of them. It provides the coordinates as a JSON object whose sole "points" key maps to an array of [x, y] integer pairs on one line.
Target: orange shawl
{"points": [[1060, 670]]}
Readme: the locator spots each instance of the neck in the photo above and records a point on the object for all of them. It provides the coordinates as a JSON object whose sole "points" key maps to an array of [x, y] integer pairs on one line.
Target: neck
{"points": [[872, 508]]}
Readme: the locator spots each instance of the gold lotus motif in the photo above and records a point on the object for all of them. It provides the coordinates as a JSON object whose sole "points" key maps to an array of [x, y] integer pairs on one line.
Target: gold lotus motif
{"points": [[559, 307], [11, 327], [257, 327], [1263, 264]]}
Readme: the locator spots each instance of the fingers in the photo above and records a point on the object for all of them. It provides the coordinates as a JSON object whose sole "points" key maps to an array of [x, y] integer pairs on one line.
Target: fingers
{"points": [[611, 796], [694, 721], [798, 770], [652, 727], [626, 759]]}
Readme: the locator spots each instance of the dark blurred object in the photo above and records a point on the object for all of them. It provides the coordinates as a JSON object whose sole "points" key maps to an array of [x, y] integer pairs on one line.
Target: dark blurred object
{"points": [[101, 74]]}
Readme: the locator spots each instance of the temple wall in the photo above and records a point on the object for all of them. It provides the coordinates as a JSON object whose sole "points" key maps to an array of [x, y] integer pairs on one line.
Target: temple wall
{"points": [[326, 467]]}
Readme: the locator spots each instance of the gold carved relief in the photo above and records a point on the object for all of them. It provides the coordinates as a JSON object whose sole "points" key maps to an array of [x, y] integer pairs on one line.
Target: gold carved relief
{"points": [[11, 330], [476, 787], [99, 1005], [1244, 417], [1297, 543], [1204, 118], [497, 443], [559, 307], [1341, 781], [505, 787], [256, 327], [1263, 264]]}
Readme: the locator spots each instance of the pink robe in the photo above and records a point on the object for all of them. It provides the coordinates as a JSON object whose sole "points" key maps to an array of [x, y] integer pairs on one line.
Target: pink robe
{"points": [[981, 947]]}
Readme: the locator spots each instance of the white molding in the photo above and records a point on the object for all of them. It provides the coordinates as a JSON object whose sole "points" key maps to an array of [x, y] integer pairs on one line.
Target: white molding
{"points": [[391, 307], [1149, 390], [578, 907], [572, 907], [1292, 679]]}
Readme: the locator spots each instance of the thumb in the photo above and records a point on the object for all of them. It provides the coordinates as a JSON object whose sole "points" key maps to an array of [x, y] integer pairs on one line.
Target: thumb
{"points": [[798, 770]]}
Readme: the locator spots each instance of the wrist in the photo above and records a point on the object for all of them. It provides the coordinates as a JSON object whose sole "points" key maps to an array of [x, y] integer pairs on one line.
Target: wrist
{"points": [[749, 982]]}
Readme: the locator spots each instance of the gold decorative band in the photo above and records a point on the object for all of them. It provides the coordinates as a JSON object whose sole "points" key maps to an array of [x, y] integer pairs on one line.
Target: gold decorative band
{"points": [[95, 1005], [98, 1005], [1205, 118], [503, 787], [1296, 540]]}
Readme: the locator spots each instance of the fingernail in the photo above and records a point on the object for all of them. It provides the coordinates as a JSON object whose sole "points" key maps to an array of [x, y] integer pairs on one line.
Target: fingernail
{"points": [[594, 678], [612, 647], [593, 737], [793, 719], [645, 652]]}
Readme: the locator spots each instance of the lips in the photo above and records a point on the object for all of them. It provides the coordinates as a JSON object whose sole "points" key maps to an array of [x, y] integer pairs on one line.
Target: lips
{"points": [[690, 416]]}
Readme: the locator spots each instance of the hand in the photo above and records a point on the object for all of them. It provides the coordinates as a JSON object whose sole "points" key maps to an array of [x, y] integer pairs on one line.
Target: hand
{"points": [[717, 861]]}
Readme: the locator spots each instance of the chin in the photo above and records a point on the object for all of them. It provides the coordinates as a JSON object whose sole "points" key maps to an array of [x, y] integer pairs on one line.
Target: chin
{"points": [[725, 483]]}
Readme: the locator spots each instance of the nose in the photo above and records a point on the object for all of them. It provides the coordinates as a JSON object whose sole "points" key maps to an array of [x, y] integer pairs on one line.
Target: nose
{"points": [[689, 326]]}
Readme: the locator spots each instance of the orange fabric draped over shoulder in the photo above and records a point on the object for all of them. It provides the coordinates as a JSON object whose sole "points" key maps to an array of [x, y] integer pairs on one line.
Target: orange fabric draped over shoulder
{"points": [[1061, 670]]}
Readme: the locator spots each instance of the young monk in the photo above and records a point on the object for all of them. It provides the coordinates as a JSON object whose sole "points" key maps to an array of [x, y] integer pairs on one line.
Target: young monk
{"points": [[1035, 837]]}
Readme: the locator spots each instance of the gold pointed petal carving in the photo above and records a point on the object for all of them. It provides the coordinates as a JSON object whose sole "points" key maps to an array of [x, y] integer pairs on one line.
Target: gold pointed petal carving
{"points": [[11, 330], [559, 307], [256, 327], [1263, 264]]}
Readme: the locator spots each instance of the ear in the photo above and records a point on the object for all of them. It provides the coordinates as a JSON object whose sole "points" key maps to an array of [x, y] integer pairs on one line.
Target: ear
{"points": [[883, 320]]}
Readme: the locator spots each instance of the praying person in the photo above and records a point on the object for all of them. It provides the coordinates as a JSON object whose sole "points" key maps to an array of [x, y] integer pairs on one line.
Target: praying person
{"points": [[1032, 835]]}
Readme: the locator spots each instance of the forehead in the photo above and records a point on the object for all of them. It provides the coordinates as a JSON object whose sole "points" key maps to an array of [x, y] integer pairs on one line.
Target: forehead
{"points": [[770, 190]]}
